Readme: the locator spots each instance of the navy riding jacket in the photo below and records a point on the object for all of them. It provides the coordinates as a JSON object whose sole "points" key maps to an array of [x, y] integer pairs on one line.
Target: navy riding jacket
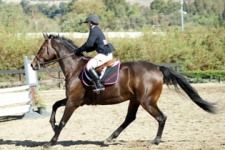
{"points": [[95, 41]]}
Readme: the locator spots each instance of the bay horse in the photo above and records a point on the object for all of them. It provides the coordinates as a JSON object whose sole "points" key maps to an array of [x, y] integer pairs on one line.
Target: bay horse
{"points": [[140, 82]]}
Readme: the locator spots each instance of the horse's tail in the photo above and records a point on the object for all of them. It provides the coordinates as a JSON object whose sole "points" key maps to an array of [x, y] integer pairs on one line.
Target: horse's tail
{"points": [[174, 78]]}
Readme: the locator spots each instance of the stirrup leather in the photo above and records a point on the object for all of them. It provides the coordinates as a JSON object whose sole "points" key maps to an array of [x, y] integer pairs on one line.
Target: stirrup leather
{"points": [[98, 87]]}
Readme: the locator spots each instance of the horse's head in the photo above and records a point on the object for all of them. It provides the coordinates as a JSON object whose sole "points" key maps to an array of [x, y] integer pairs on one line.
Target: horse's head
{"points": [[45, 54]]}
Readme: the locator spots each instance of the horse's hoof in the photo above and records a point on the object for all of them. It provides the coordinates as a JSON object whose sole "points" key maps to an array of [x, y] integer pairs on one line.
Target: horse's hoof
{"points": [[108, 141], [155, 141], [47, 145]]}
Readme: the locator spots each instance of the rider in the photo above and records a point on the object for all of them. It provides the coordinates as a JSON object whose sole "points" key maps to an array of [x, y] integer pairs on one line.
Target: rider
{"points": [[96, 41]]}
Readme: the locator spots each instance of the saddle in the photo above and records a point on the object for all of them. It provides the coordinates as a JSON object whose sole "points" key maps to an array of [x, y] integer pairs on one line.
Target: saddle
{"points": [[109, 63], [108, 73]]}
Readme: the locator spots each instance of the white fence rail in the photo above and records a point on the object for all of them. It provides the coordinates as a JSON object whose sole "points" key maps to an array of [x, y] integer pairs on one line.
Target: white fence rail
{"points": [[14, 101], [17, 101]]}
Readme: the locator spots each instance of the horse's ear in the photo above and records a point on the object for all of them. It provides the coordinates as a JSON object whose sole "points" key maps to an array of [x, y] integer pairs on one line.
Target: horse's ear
{"points": [[45, 35]]}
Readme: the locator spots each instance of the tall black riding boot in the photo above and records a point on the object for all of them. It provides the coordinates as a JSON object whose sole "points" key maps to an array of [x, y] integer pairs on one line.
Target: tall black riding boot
{"points": [[99, 87]]}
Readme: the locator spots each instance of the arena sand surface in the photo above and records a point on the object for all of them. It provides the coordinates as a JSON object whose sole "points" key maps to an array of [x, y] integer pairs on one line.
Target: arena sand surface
{"points": [[187, 128]]}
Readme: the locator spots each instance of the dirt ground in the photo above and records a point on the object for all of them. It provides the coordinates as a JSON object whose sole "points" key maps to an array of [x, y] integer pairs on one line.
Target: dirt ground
{"points": [[188, 127]]}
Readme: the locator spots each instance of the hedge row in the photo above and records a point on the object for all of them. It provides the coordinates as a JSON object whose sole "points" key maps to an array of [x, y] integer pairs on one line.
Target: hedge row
{"points": [[203, 76], [195, 49]]}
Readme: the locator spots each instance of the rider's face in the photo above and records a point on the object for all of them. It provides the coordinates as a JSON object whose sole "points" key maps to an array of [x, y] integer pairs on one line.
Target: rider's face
{"points": [[89, 24]]}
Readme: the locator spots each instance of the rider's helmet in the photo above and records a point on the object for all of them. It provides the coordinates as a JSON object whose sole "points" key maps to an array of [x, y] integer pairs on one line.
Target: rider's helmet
{"points": [[94, 19]]}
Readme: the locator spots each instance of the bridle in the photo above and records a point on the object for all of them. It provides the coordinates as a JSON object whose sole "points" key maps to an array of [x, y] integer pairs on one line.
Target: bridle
{"points": [[44, 64], [51, 61]]}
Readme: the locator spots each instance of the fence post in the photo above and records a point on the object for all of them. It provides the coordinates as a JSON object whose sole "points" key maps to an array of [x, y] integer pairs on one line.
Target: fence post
{"points": [[31, 75], [33, 91], [31, 78]]}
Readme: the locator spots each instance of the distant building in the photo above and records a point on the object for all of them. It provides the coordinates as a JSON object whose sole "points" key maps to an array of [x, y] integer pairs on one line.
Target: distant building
{"points": [[145, 3]]}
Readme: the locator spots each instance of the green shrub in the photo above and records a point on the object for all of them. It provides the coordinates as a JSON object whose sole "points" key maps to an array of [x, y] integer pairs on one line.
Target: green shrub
{"points": [[209, 75], [194, 49], [12, 49]]}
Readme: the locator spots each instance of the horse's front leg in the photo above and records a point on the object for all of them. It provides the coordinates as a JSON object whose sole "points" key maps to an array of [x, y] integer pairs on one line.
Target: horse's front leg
{"points": [[54, 109], [72, 103]]}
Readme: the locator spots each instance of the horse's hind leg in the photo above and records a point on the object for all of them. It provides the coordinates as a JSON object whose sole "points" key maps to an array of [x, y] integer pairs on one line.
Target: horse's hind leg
{"points": [[54, 109], [150, 105], [161, 118], [131, 116]]}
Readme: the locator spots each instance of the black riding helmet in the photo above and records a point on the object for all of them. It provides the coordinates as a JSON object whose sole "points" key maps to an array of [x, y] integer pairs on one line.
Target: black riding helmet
{"points": [[94, 19]]}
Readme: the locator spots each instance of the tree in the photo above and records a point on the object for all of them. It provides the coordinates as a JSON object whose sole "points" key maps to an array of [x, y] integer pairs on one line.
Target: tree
{"points": [[210, 20], [12, 18], [170, 7], [25, 5], [199, 4], [223, 15], [157, 5], [112, 5], [73, 20]]}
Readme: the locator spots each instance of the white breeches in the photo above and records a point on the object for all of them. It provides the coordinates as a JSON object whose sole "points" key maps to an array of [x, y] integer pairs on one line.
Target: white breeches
{"points": [[98, 60]]}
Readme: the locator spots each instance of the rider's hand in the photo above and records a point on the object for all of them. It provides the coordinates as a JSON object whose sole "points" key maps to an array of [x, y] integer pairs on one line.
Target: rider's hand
{"points": [[79, 53]]}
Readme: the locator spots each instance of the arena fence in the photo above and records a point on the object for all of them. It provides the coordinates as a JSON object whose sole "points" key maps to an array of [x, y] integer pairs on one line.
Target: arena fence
{"points": [[19, 100], [15, 101]]}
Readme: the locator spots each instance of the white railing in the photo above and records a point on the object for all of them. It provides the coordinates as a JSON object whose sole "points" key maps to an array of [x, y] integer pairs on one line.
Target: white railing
{"points": [[15, 101]]}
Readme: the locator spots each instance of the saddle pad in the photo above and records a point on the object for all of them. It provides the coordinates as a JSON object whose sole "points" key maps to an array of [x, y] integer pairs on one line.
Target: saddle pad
{"points": [[109, 78]]}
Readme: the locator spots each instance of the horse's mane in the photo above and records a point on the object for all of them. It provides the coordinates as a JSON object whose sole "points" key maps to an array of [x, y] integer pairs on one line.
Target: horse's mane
{"points": [[64, 40]]}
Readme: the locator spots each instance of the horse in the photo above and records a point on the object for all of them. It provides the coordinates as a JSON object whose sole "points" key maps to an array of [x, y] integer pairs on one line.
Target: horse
{"points": [[140, 82]]}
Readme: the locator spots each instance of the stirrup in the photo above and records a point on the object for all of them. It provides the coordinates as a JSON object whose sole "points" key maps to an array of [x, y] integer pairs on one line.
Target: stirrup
{"points": [[98, 90]]}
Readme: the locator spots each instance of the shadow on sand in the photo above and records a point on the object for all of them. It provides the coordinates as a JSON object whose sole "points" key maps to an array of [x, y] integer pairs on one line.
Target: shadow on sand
{"points": [[29, 143]]}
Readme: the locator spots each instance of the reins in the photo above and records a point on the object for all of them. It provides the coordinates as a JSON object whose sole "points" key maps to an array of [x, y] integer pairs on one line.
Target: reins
{"points": [[57, 59], [54, 61], [51, 74], [46, 63]]}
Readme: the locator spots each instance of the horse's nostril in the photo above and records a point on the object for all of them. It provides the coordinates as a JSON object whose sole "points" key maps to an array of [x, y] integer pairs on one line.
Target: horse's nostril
{"points": [[33, 67]]}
